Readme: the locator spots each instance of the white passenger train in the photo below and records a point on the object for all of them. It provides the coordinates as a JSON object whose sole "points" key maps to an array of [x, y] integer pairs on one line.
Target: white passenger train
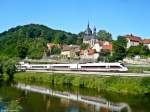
{"points": [[91, 67]]}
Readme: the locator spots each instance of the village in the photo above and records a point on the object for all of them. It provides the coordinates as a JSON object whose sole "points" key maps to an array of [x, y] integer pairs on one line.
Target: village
{"points": [[93, 49]]}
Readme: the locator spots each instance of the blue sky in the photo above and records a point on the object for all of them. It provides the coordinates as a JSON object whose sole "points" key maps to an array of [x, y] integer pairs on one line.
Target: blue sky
{"points": [[116, 16]]}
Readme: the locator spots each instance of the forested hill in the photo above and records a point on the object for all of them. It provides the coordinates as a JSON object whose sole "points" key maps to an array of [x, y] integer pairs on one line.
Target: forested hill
{"points": [[31, 40]]}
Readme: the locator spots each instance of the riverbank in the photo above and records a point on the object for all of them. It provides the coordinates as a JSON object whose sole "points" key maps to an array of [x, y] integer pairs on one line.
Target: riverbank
{"points": [[124, 85], [138, 69], [121, 74]]}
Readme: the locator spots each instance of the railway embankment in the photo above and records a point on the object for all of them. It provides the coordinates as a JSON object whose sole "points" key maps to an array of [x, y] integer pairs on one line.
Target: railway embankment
{"points": [[123, 85]]}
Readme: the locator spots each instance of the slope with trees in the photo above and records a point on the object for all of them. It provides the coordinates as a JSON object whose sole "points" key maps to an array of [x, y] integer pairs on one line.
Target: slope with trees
{"points": [[30, 40]]}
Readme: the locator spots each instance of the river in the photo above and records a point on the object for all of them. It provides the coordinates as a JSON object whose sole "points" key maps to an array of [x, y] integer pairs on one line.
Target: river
{"points": [[34, 98]]}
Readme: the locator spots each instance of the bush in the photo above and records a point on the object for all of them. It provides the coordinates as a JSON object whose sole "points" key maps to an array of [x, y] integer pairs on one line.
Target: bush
{"points": [[10, 70], [55, 50]]}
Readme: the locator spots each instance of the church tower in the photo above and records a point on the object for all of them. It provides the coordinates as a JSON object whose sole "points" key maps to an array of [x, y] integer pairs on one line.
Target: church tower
{"points": [[94, 32], [89, 36], [88, 31]]}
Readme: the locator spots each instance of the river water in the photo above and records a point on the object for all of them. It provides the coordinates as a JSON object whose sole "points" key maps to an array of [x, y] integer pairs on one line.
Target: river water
{"points": [[34, 98]]}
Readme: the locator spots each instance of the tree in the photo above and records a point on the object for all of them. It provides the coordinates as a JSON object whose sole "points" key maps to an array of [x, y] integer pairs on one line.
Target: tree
{"points": [[140, 50], [84, 46], [104, 35], [81, 34], [119, 52], [147, 51], [33, 32], [55, 50], [1, 71], [119, 49], [56, 40], [10, 70], [122, 41], [49, 38], [104, 55], [79, 41], [63, 38], [22, 51]]}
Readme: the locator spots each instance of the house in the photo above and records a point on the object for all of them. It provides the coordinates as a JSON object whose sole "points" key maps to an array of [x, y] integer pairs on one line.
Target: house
{"points": [[70, 51], [51, 45], [107, 47], [102, 45], [132, 40], [98, 47], [89, 55], [146, 42]]}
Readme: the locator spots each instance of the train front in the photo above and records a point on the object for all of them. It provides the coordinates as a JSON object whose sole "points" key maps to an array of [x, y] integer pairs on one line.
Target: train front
{"points": [[123, 68]]}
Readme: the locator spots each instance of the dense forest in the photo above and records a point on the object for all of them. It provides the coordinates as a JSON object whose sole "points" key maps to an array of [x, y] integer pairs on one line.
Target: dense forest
{"points": [[30, 40]]}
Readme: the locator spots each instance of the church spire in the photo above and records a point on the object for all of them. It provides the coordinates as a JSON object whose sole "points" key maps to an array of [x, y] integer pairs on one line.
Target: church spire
{"points": [[88, 26], [94, 31], [88, 31]]}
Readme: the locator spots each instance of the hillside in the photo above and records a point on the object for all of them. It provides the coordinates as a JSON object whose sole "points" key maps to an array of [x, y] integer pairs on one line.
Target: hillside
{"points": [[30, 40]]}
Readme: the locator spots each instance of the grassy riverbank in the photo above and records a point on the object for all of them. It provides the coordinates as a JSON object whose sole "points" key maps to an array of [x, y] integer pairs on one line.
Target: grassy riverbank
{"points": [[125, 85], [137, 69]]}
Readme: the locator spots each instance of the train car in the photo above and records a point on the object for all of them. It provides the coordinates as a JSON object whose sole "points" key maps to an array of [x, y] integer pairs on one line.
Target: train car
{"points": [[22, 66], [91, 67], [63, 67], [99, 67], [38, 67], [27, 66]]}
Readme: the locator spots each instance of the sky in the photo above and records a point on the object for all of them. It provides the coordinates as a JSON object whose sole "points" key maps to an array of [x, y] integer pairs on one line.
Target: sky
{"points": [[119, 17]]}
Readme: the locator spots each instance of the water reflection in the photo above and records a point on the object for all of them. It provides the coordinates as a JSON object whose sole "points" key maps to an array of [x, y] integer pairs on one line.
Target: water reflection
{"points": [[70, 100]]}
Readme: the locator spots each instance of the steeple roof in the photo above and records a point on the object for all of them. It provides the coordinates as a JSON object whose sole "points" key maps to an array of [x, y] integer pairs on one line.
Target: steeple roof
{"points": [[88, 30]]}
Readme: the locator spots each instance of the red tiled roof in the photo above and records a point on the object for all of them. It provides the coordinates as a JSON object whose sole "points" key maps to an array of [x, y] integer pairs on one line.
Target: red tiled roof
{"points": [[76, 48], [66, 48], [107, 47], [133, 38], [146, 41], [91, 51], [81, 52]]}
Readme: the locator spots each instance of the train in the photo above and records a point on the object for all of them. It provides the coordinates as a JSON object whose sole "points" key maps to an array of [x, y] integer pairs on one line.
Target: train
{"points": [[86, 67]]}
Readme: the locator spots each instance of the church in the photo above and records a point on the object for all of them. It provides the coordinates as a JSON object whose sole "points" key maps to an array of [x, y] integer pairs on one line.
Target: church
{"points": [[89, 36]]}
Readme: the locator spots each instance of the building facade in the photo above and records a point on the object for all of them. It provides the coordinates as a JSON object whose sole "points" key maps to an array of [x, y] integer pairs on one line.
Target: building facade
{"points": [[132, 40]]}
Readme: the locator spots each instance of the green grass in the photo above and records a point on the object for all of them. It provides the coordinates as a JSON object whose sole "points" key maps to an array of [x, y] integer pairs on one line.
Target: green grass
{"points": [[125, 85], [138, 69]]}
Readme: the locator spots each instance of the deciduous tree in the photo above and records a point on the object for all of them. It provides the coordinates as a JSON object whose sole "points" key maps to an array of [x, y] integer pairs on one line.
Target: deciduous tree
{"points": [[104, 35]]}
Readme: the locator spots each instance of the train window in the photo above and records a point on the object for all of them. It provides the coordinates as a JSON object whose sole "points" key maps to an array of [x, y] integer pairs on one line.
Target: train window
{"points": [[60, 66], [93, 66], [37, 66], [122, 64], [115, 67]]}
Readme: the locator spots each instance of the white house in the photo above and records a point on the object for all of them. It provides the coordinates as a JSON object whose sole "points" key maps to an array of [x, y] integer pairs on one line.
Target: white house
{"points": [[89, 54], [102, 45], [146, 42], [132, 40], [97, 47]]}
